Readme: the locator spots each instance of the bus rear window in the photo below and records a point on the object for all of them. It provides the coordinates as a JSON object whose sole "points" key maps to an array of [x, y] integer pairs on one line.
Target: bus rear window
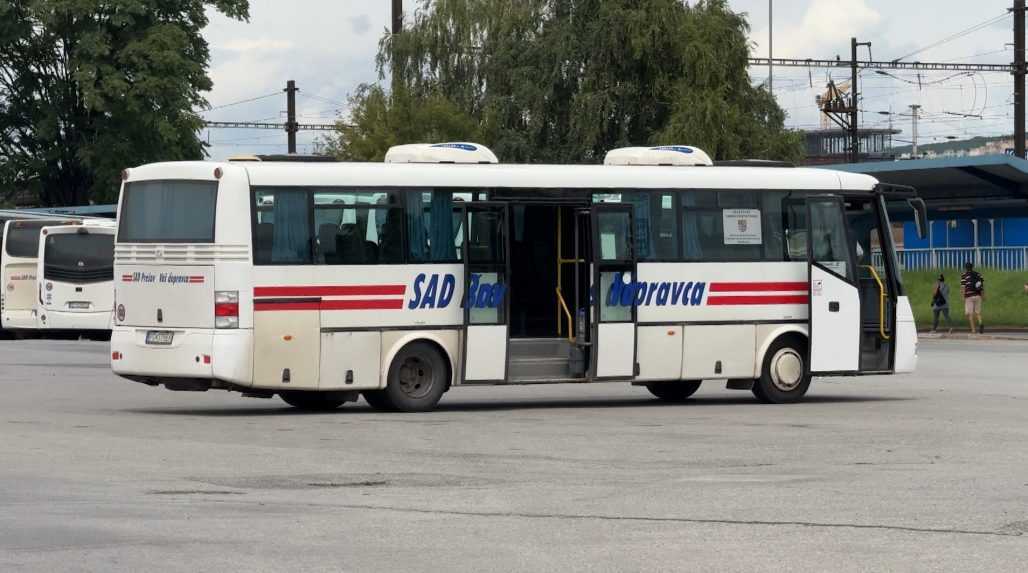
{"points": [[168, 212], [23, 238], [79, 251]]}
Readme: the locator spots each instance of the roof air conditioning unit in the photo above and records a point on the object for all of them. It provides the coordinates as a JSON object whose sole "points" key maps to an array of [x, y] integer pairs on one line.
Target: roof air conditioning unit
{"points": [[669, 155], [472, 153]]}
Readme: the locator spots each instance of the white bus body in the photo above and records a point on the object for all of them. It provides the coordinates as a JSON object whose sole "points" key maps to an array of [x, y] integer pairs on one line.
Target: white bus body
{"points": [[321, 281], [76, 266], [20, 248]]}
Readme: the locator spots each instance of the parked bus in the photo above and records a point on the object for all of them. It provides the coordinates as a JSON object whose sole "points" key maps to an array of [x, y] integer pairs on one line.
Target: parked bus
{"points": [[20, 247], [76, 293], [442, 268]]}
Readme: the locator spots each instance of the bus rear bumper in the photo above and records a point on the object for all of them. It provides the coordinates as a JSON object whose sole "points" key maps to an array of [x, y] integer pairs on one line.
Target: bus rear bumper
{"points": [[63, 320], [219, 357], [20, 320]]}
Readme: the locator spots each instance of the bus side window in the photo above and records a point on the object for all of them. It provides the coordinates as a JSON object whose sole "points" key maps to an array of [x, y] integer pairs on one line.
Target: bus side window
{"points": [[356, 227], [287, 240], [827, 232]]}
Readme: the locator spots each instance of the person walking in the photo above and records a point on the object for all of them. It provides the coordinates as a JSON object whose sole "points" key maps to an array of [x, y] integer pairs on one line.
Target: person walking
{"points": [[940, 303], [973, 286]]}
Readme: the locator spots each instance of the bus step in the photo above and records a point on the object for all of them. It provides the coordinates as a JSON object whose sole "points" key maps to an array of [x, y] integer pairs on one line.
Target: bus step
{"points": [[539, 367], [539, 347]]}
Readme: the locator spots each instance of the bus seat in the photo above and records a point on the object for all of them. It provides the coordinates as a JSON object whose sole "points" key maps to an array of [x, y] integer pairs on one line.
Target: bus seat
{"points": [[327, 241], [350, 248], [265, 236]]}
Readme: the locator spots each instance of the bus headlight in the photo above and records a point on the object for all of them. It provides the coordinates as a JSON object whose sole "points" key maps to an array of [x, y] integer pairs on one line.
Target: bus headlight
{"points": [[226, 309]]}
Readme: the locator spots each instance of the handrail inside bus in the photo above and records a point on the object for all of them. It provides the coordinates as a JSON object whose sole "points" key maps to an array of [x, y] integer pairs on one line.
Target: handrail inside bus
{"points": [[567, 313], [881, 302]]}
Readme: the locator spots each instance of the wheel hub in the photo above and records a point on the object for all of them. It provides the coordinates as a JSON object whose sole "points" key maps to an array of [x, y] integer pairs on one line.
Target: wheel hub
{"points": [[786, 369], [416, 377]]}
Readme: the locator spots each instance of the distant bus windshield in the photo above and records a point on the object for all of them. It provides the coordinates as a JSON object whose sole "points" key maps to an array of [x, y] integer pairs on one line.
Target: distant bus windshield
{"points": [[75, 251], [168, 212], [23, 238]]}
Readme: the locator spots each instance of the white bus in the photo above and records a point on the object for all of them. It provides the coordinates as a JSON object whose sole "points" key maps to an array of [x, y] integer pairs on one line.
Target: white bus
{"points": [[76, 292], [20, 247], [320, 282]]}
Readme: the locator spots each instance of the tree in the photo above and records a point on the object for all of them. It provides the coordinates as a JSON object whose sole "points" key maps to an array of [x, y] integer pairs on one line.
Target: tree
{"points": [[89, 87], [567, 80]]}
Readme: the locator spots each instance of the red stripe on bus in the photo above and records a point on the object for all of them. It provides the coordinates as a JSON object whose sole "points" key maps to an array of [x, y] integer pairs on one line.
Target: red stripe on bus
{"points": [[340, 290], [756, 300], [363, 304], [357, 304], [759, 287]]}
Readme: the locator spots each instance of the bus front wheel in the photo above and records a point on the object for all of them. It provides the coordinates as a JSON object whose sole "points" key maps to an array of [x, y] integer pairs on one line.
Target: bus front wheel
{"points": [[314, 401], [784, 377], [674, 391], [418, 377]]}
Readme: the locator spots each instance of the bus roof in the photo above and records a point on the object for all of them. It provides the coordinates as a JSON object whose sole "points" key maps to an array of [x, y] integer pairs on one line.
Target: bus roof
{"points": [[513, 176]]}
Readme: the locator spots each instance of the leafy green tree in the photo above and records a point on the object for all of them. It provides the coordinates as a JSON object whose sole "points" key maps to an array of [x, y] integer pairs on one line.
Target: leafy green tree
{"points": [[89, 87], [567, 80]]}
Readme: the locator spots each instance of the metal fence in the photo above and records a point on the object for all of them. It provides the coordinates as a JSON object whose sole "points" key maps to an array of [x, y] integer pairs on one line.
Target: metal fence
{"points": [[999, 258]]}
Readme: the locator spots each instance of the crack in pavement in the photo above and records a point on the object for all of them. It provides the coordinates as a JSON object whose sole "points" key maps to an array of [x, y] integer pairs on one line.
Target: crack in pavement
{"points": [[643, 518], [652, 519]]}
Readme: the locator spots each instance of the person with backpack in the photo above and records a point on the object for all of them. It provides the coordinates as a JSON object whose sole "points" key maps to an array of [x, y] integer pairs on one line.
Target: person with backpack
{"points": [[940, 303], [973, 286]]}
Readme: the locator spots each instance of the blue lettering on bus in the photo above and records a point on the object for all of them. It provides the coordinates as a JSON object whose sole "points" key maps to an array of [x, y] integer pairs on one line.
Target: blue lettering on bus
{"points": [[436, 291], [641, 293]]}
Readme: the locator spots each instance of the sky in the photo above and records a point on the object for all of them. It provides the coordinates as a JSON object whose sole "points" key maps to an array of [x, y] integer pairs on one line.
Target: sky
{"points": [[328, 47]]}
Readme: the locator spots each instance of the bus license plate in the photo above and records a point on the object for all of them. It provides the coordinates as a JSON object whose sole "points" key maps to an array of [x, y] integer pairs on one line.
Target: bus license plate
{"points": [[78, 305], [159, 337]]}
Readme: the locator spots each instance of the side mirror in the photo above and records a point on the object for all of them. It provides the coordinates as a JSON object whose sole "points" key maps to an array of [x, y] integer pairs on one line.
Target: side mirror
{"points": [[920, 216]]}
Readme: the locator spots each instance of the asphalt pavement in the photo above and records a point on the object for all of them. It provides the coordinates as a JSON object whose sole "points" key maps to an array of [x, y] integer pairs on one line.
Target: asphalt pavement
{"points": [[927, 472]]}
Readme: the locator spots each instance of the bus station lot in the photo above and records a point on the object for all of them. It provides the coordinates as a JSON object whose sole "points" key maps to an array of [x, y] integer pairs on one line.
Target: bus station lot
{"points": [[923, 472]]}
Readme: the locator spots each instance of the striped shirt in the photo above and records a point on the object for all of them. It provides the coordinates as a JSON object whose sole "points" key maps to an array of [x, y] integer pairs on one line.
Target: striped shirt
{"points": [[972, 283]]}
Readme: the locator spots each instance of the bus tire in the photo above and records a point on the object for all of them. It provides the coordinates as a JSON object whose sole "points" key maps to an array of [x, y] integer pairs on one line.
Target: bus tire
{"points": [[674, 391], [784, 376], [314, 401], [418, 377]]}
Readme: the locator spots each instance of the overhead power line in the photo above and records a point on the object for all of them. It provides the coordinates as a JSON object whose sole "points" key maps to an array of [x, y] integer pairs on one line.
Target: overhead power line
{"points": [[242, 101], [955, 36], [882, 65]]}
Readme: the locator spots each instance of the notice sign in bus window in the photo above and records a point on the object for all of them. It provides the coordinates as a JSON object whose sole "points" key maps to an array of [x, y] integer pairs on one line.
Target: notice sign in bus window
{"points": [[742, 226]]}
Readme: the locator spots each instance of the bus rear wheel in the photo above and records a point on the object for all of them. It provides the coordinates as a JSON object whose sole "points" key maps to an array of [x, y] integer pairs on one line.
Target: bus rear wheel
{"points": [[313, 401], [784, 377], [418, 377], [674, 391]]}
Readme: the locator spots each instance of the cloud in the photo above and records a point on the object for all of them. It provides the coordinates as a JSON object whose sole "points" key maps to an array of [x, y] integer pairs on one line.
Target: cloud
{"points": [[825, 28], [360, 24], [256, 45]]}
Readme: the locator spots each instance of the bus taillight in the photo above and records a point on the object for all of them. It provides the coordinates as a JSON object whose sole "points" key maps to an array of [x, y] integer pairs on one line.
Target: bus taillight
{"points": [[226, 309]]}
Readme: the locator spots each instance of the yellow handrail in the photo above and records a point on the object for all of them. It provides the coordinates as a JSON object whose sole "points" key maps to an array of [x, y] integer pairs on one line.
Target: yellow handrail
{"points": [[567, 313], [881, 302]]}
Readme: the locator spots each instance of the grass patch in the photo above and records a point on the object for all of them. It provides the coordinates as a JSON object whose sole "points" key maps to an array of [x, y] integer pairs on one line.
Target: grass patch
{"points": [[1005, 305]]}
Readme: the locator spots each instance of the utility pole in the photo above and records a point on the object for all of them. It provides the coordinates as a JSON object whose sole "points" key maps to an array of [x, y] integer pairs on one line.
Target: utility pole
{"points": [[854, 130], [770, 47], [914, 109], [1019, 73], [397, 16], [291, 127], [397, 29]]}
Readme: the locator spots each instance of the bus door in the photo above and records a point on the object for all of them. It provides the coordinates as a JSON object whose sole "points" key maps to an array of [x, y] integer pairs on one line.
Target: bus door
{"points": [[834, 305], [486, 254], [613, 342]]}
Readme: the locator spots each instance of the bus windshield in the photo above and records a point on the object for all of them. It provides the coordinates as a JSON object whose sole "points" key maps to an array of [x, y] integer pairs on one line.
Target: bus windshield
{"points": [[168, 212], [79, 254]]}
